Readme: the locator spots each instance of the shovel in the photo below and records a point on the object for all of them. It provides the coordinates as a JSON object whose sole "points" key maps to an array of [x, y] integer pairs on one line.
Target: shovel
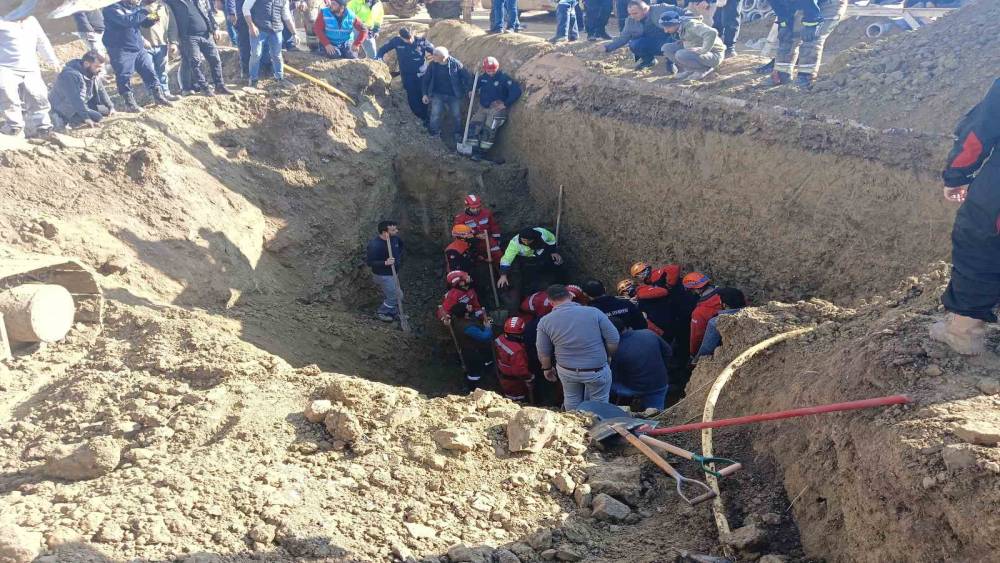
{"points": [[682, 481], [464, 148]]}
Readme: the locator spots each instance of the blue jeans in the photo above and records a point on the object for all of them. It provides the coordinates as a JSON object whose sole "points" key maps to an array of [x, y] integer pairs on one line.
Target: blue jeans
{"points": [[231, 31], [159, 55], [342, 51], [390, 298], [503, 15], [566, 25], [440, 102], [273, 41], [584, 386], [596, 20], [651, 400], [127, 62]]}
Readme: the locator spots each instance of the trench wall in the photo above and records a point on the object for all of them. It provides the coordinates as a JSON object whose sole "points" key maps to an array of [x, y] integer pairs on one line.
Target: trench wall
{"points": [[782, 203]]}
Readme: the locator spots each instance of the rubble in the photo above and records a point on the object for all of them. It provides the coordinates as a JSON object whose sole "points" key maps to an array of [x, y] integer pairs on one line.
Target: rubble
{"points": [[18, 545], [530, 429], [607, 508], [90, 460]]}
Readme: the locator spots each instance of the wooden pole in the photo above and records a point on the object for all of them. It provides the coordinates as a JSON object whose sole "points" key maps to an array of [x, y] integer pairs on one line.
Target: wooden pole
{"points": [[489, 261], [403, 323], [559, 212], [320, 83]]}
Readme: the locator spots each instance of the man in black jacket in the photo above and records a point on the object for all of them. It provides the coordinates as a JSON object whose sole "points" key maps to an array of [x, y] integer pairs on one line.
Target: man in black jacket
{"points": [[617, 309], [127, 52], [197, 29], [378, 259], [78, 96], [411, 53], [445, 84], [90, 28]]}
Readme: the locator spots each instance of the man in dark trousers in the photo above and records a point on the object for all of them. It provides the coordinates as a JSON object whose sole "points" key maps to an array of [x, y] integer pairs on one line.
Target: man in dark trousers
{"points": [[197, 29], [727, 21], [78, 97], [411, 52], [596, 19], [445, 84], [497, 92], [127, 52], [639, 368], [972, 177], [474, 336], [377, 258], [616, 308]]}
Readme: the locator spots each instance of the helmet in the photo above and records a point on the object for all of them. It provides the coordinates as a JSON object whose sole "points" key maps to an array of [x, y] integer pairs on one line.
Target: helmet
{"points": [[472, 201], [669, 17], [456, 277], [695, 280], [640, 270], [578, 295], [461, 231], [491, 64], [626, 288], [514, 325]]}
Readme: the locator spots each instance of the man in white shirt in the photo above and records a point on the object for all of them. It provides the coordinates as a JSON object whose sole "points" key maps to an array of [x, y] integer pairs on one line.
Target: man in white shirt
{"points": [[21, 39]]}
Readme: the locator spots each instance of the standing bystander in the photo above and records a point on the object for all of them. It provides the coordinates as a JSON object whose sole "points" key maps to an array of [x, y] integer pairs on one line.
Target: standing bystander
{"points": [[378, 259]]}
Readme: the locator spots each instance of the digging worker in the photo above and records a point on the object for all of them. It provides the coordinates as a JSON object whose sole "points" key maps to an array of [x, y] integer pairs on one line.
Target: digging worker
{"points": [[972, 176], [486, 238], [78, 97], [574, 343], [516, 379], [411, 52], [197, 32], [458, 254], [642, 33], [497, 92], [639, 367], [616, 308], [709, 305], [732, 301], [445, 84], [382, 264], [339, 31], [474, 336], [128, 54], [460, 291], [21, 40], [537, 253], [819, 19], [698, 52]]}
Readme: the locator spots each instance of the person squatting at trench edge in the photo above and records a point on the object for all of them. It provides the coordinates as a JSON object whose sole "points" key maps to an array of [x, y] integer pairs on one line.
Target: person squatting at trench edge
{"points": [[78, 97], [339, 31], [497, 92], [972, 176], [378, 259]]}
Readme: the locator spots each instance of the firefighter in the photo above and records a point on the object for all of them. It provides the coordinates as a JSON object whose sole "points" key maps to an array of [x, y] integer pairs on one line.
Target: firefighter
{"points": [[497, 92], [819, 19], [516, 379], [665, 276], [972, 177], [537, 254], [460, 291], [535, 306], [628, 289], [709, 305], [679, 305], [458, 254], [484, 227], [473, 335]]}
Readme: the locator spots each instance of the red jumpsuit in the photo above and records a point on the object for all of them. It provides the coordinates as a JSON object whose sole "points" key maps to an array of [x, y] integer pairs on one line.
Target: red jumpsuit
{"points": [[709, 305], [535, 306], [512, 362], [653, 304], [455, 296], [482, 222], [666, 276]]}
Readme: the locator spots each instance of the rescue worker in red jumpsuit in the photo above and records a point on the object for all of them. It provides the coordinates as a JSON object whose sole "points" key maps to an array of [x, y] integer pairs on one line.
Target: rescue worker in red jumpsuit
{"points": [[972, 177], [486, 235], [460, 292], [474, 337], [535, 306], [676, 316], [516, 379], [709, 305], [458, 254], [629, 290]]}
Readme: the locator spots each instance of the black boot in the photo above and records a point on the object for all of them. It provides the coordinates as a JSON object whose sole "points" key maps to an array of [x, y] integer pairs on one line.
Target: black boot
{"points": [[765, 68], [778, 78], [160, 98], [130, 105]]}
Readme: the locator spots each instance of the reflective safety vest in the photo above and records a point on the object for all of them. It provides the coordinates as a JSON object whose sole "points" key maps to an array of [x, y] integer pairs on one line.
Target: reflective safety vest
{"points": [[370, 16], [512, 359], [338, 32]]}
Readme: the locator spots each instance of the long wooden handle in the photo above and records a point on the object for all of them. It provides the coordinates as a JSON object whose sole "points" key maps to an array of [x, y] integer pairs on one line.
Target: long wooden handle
{"points": [[667, 447], [403, 323], [559, 213], [468, 117], [647, 451], [319, 82]]}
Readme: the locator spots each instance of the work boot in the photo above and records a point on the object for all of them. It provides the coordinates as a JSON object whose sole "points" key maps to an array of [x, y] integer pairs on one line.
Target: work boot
{"points": [[170, 97], [683, 75], [160, 99], [645, 63], [964, 335], [730, 51], [765, 68], [221, 90], [557, 39], [11, 130], [805, 81], [208, 92], [671, 68], [384, 318], [130, 105], [778, 78]]}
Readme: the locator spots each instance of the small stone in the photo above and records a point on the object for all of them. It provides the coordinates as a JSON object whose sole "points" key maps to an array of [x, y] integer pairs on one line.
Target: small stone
{"points": [[771, 518], [565, 552], [462, 553], [523, 551], [342, 426], [929, 482], [564, 483], [988, 386], [115, 265], [110, 533], [773, 558], [18, 545], [420, 531], [540, 540], [979, 432], [454, 439], [505, 556], [401, 416], [316, 411], [955, 457], [746, 538], [89, 460], [263, 533], [933, 370], [530, 429], [607, 508], [582, 495], [992, 466], [549, 554]]}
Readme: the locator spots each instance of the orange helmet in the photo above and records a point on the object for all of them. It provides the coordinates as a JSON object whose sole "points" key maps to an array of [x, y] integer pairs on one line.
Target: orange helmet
{"points": [[696, 280], [640, 270], [491, 64], [461, 231], [514, 325], [626, 288], [472, 201], [456, 277]]}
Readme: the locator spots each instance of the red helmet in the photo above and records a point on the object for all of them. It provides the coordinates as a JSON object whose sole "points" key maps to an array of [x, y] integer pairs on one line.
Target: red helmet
{"points": [[514, 325], [578, 295], [456, 277], [472, 201], [695, 280], [491, 64]]}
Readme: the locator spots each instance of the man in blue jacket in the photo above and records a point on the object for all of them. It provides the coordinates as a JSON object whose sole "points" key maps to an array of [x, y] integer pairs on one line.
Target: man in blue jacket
{"points": [[128, 53], [444, 85], [639, 367], [197, 30], [497, 92], [378, 259], [78, 96], [411, 52]]}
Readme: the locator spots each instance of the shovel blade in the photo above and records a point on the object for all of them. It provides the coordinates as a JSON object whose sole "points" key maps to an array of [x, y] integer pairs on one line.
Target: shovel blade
{"points": [[464, 149]]}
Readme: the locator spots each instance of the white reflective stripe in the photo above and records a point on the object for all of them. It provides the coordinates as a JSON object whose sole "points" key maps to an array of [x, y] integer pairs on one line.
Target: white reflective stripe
{"points": [[483, 221], [471, 378], [515, 397], [504, 347]]}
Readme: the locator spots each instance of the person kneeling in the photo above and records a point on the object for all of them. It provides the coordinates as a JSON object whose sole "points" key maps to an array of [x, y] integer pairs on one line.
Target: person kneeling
{"points": [[497, 92], [700, 50], [639, 366], [339, 31], [78, 96]]}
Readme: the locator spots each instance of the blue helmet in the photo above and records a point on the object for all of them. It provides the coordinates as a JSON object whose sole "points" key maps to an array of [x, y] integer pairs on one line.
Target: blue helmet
{"points": [[670, 17]]}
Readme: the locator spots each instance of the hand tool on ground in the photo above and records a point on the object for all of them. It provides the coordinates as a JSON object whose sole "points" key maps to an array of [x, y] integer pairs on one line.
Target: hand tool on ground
{"points": [[464, 148], [681, 480], [793, 413], [559, 212], [321, 83], [403, 323], [461, 359], [614, 414]]}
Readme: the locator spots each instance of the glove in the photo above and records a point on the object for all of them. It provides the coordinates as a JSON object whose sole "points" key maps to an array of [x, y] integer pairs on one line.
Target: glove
{"points": [[809, 32]]}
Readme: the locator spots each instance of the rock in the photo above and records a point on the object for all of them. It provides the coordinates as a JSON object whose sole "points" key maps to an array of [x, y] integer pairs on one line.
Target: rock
{"points": [[992, 466], [933, 370], [482, 398], [18, 545], [505, 556], [263, 533], [399, 417], [582, 495], [549, 554], [115, 265], [316, 411], [955, 457], [988, 386], [607, 508], [619, 478], [49, 229], [746, 538], [462, 553], [343, 427], [89, 460], [566, 552], [771, 518], [523, 551], [454, 439], [979, 432], [110, 533], [530, 429], [420, 531], [540, 540], [929, 482], [564, 483]]}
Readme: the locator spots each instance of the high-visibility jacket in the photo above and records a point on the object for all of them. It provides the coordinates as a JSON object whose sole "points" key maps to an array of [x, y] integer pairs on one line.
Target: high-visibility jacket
{"points": [[482, 222], [516, 249], [370, 13], [709, 305], [337, 31], [457, 295]]}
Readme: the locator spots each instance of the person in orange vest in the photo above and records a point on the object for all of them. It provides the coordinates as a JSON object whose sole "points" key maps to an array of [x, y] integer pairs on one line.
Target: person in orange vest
{"points": [[535, 306], [709, 305], [665, 276], [629, 290], [675, 316], [458, 254], [516, 379], [460, 292]]}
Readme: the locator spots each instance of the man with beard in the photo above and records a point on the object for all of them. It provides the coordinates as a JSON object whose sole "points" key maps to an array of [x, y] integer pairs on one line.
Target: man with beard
{"points": [[78, 96]]}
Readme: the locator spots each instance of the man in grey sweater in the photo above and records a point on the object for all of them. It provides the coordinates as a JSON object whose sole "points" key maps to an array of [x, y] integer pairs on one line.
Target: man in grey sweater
{"points": [[575, 342]]}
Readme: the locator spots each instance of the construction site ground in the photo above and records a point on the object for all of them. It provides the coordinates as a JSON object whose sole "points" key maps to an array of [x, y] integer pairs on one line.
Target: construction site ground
{"points": [[227, 234]]}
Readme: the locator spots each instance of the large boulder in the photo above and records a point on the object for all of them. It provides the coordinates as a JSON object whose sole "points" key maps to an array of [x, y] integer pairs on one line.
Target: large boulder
{"points": [[530, 429], [88, 460]]}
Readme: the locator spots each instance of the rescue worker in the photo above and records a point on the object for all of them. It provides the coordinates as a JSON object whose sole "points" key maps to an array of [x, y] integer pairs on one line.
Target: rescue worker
{"points": [[339, 31], [578, 295], [411, 52], [458, 254], [536, 305], [639, 368], [21, 41], [642, 33], [486, 238], [128, 54], [371, 13], [615, 308], [627, 289], [699, 50], [732, 301], [460, 291], [515, 375], [78, 97], [678, 307], [819, 19], [474, 336], [540, 263], [709, 305], [497, 92], [664, 276], [972, 176]]}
